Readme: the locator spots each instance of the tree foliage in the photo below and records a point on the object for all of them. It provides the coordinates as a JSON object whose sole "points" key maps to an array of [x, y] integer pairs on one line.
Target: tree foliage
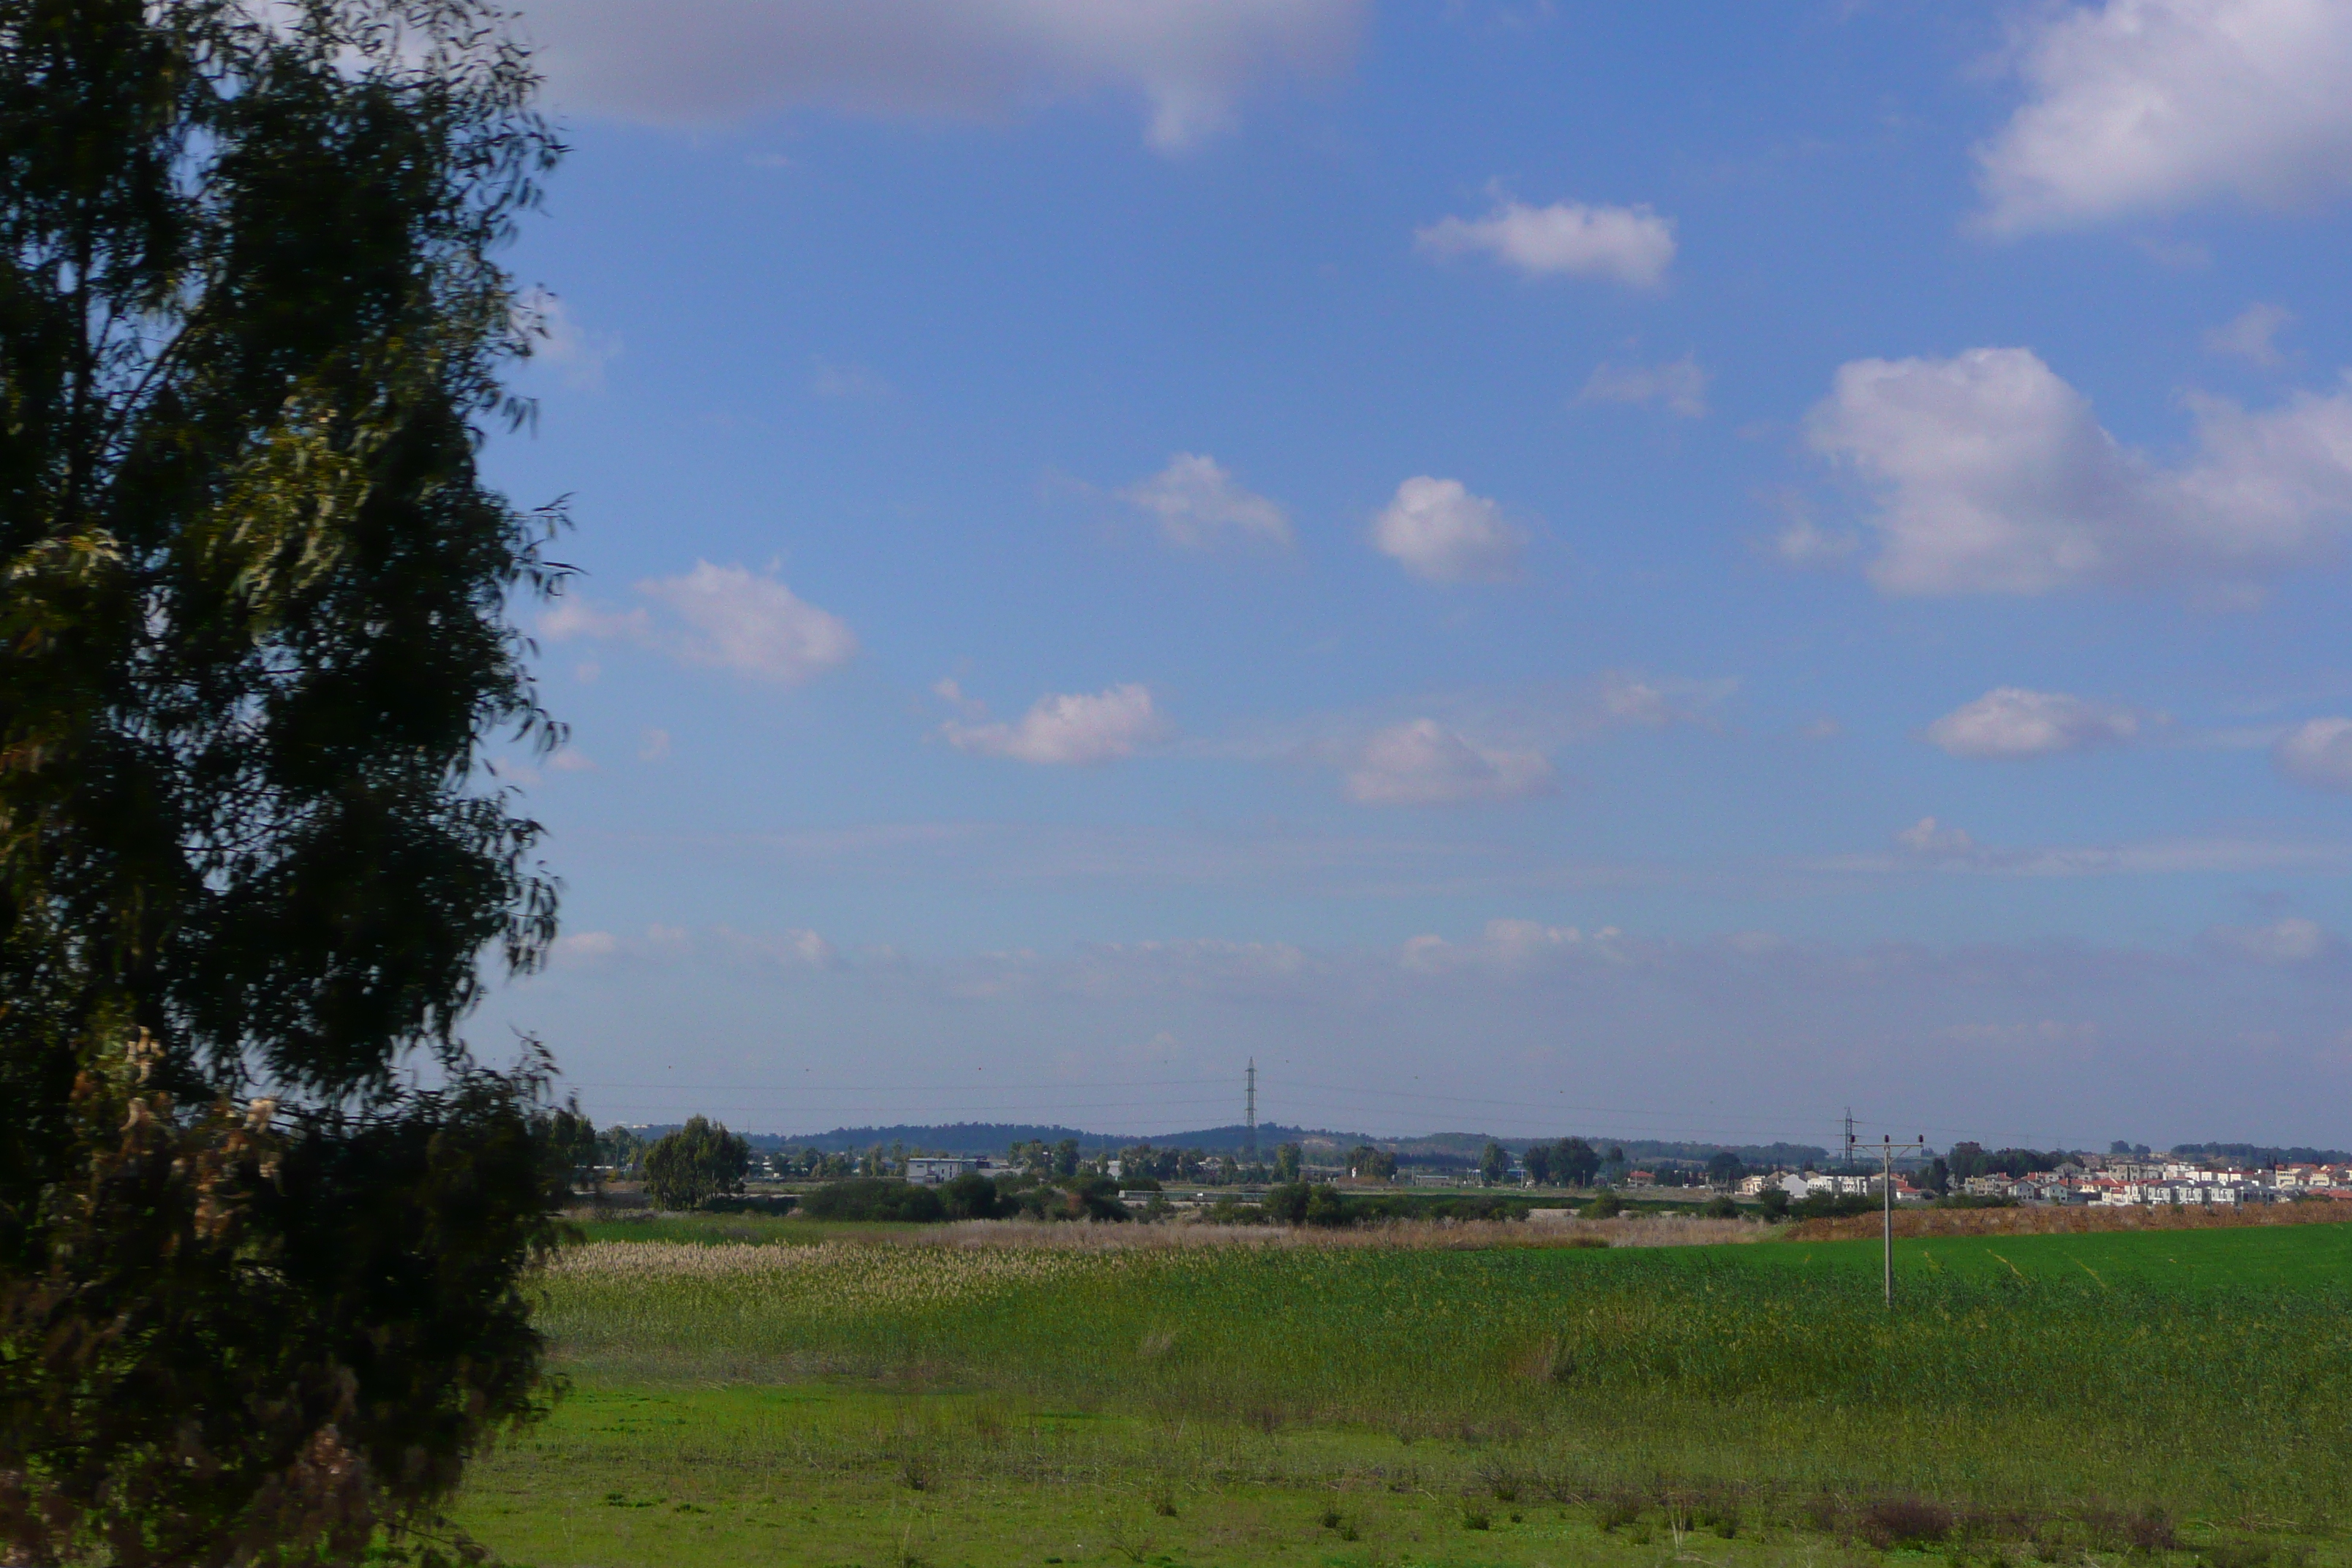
{"points": [[700, 1160], [1493, 1162], [253, 643]]}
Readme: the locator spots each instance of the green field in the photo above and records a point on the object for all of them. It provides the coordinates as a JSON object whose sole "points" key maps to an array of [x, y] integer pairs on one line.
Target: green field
{"points": [[2177, 1395]]}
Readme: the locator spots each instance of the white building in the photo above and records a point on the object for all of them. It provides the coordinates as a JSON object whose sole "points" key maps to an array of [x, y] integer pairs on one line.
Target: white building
{"points": [[932, 1170]]}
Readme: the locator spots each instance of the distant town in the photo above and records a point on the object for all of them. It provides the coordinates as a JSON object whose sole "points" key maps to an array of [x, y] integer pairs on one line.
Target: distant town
{"points": [[1769, 1176]]}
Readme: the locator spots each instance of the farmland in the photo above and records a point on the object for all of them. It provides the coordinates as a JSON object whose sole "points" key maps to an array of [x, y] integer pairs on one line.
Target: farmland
{"points": [[859, 1400]]}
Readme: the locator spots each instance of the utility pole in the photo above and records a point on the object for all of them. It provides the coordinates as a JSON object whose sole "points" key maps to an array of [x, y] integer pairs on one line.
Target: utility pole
{"points": [[1849, 1139], [1249, 1136], [1888, 1148]]}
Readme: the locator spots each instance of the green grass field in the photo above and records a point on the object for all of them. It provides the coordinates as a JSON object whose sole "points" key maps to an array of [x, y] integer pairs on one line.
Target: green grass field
{"points": [[2184, 1394]]}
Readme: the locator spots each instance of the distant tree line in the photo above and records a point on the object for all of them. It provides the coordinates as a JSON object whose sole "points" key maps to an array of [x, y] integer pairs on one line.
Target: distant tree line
{"points": [[2257, 1154]]}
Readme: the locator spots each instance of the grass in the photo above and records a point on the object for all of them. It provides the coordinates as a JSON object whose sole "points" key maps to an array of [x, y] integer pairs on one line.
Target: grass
{"points": [[2056, 1395]]}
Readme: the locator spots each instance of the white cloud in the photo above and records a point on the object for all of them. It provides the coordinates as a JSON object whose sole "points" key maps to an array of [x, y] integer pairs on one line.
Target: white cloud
{"points": [[653, 746], [2047, 1032], [704, 61], [1421, 763], [1995, 477], [1508, 946], [577, 355], [2152, 106], [849, 382], [1804, 542], [584, 618], [1926, 837], [1679, 386], [567, 760], [2317, 753], [1199, 505], [1437, 530], [585, 947], [2010, 721], [2294, 940], [723, 616], [1068, 730], [752, 625], [1631, 245], [2252, 336], [1654, 702]]}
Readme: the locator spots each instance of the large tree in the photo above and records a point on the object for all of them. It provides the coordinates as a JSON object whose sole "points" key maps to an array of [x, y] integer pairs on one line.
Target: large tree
{"points": [[700, 1160], [264, 1221]]}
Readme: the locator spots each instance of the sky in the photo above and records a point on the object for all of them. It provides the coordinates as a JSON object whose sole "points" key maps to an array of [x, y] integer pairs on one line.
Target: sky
{"points": [[1665, 571]]}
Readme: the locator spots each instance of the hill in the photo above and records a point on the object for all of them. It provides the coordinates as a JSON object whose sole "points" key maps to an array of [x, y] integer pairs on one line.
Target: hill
{"points": [[1322, 1144]]}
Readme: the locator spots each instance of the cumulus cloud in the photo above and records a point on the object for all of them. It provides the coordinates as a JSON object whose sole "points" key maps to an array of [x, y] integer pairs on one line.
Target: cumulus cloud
{"points": [[1438, 531], [1068, 730], [2252, 336], [1994, 476], [585, 947], [2317, 753], [2010, 721], [557, 340], [1654, 702], [721, 616], [1927, 836], [1679, 386], [1632, 246], [1421, 763], [2294, 940], [848, 383], [703, 61], [1507, 946], [2152, 106], [1198, 505]]}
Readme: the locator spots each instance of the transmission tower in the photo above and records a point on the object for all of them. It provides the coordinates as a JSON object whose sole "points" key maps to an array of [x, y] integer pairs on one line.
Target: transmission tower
{"points": [[1249, 1116]]}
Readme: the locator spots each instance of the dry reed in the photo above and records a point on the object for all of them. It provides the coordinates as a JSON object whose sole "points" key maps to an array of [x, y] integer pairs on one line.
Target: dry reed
{"points": [[2071, 1221]]}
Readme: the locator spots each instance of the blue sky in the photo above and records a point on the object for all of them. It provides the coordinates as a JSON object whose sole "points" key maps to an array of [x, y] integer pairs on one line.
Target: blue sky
{"points": [[1658, 570]]}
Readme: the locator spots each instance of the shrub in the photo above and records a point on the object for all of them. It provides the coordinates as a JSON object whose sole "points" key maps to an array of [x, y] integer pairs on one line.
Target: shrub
{"points": [[1904, 1521], [1081, 1197], [1720, 1208], [973, 1196], [776, 1204], [1605, 1204], [874, 1198], [1287, 1201]]}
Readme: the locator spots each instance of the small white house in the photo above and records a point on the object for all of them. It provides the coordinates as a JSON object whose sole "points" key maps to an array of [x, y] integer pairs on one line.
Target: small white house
{"points": [[933, 1170]]}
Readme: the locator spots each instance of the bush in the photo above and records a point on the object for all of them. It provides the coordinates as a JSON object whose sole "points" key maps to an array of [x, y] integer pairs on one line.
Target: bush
{"points": [[1904, 1521], [874, 1198], [1720, 1208], [1774, 1201], [777, 1204], [1079, 1197], [973, 1196], [1605, 1204]]}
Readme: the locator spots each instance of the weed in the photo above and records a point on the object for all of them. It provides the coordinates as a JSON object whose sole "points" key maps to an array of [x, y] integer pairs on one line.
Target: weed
{"points": [[1476, 1518], [1904, 1521], [1616, 1510]]}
